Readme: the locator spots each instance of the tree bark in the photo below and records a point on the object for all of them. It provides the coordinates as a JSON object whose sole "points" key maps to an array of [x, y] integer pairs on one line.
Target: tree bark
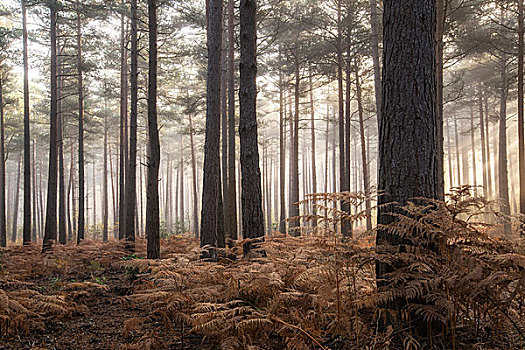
{"points": [[521, 138], [252, 215], [81, 176], [473, 148], [195, 215], [295, 222], [17, 200], [3, 218], [50, 230], [105, 200], [503, 172], [314, 163], [210, 194], [407, 131], [374, 40], [131, 171], [27, 136], [123, 159], [152, 203], [364, 155], [282, 152], [483, 143]]}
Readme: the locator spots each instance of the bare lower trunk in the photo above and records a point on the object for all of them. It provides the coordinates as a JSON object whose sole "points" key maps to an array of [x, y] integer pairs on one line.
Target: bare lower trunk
{"points": [[27, 139]]}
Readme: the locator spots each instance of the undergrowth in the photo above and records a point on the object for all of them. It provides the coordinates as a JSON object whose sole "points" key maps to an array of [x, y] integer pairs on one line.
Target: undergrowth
{"points": [[317, 291]]}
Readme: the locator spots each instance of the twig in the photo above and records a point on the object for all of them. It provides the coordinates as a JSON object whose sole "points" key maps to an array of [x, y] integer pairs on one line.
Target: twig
{"points": [[274, 318]]}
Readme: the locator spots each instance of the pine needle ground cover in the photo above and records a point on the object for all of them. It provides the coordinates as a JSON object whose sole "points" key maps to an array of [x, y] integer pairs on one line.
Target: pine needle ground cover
{"points": [[310, 292]]}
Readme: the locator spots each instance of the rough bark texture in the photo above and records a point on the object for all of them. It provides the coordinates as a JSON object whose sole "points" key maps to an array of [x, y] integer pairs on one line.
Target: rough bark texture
{"points": [[131, 171], [27, 136], [407, 135], [152, 194], [50, 230], [210, 194], [252, 214]]}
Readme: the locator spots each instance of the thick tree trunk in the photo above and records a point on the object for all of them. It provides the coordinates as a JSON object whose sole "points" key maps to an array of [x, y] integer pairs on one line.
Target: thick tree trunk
{"points": [[50, 231], [27, 137], [252, 216], [81, 176], [364, 155], [407, 129], [232, 179], [152, 203], [210, 194], [131, 170]]}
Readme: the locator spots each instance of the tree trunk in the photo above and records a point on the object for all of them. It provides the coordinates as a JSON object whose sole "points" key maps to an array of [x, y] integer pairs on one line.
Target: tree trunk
{"points": [[50, 231], [3, 218], [503, 172], [473, 147], [252, 216], [521, 139], [441, 15], [17, 197], [483, 143], [407, 147], [123, 159], [27, 139], [181, 192], [489, 163], [374, 40], [295, 222], [458, 163], [131, 171], [152, 202], [69, 193], [105, 200], [282, 153], [194, 182], [62, 228], [232, 181], [313, 165], [81, 177], [364, 155], [449, 153], [224, 130], [210, 194], [346, 225]]}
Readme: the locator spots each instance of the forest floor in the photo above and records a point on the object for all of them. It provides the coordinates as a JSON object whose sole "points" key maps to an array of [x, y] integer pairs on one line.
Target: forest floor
{"points": [[303, 293]]}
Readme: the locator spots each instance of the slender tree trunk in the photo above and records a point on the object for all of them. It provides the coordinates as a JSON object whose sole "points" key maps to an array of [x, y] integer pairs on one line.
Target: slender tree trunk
{"points": [[364, 155], [95, 228], [473, 147], [224, 129], [210, 194], [314, 163], [521, 138], [483, 143], [503, 172], [449, 148], [17, 200], [458, 163], [407, 147], [81, 177], [27, 139], [131, 171], [489, 163], [374, 41], [282, 152], [152, 203], [441, 15], [181, 192], [113, 194], [62, 228], [123, 160], [232, 181], [69, 193], [3, 218], [346, 225], [194, 181], [50, 231], [105, 200], [294, 199], [35, 226], [252, 217]]}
